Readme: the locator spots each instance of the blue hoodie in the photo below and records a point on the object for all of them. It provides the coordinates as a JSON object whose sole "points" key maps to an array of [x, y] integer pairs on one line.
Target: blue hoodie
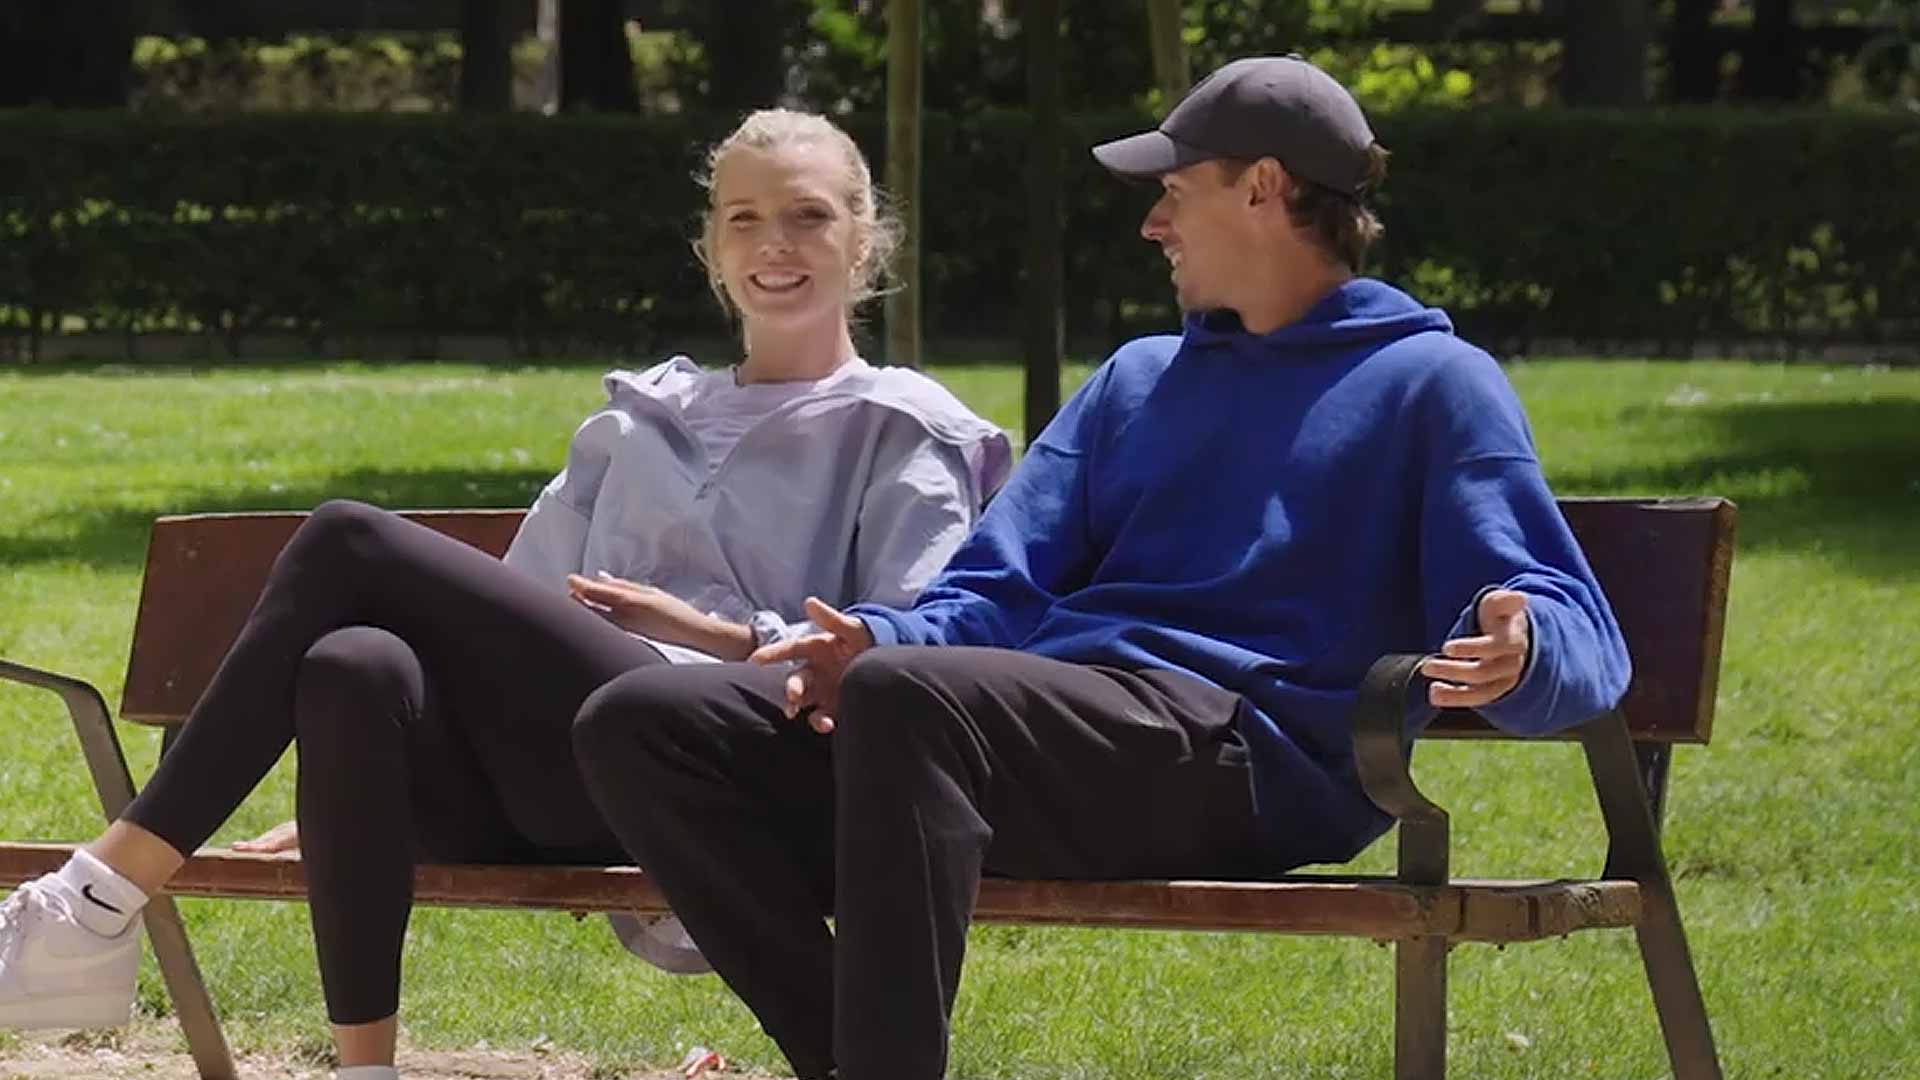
{"points": [[1271, 513]]}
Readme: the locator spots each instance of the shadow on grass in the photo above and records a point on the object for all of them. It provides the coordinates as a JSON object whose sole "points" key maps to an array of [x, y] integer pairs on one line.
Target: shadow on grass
{"points": [[1838, 479], [116, 536]]}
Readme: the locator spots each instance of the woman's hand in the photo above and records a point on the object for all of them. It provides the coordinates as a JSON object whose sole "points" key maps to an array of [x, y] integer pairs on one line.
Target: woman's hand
{"points": [[655, 613], [822, 658], [282, 837]]}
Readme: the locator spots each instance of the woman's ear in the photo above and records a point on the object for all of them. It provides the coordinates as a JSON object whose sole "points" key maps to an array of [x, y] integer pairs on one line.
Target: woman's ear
{"points": [[857, 267]]}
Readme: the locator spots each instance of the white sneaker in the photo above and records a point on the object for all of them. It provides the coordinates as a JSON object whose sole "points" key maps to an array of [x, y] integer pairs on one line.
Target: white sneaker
{"points": [[56, 973], [660, 940]]}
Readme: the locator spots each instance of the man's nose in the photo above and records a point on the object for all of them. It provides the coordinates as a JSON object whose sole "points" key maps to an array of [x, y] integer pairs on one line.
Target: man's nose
{"points": [[1154, 225]]}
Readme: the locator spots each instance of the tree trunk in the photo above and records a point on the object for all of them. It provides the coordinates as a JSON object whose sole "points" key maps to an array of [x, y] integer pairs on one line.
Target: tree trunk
{"points": [[1769, 69], [222, 21], [1605, 59], [1693, 63], [1454, 14], [596, 70], [1169, 51], [743, 40], [486, 56], [546, 27], [906, 40], [72, 55], [1042, 321]]}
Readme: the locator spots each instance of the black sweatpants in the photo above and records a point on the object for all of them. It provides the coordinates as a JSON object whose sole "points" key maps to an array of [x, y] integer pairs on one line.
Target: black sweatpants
{"points": [[431, 690], [946, 763]]}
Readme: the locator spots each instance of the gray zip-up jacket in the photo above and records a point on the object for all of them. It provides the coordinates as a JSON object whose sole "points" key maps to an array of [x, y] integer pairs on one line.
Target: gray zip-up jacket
{"points": [[858, 491]]}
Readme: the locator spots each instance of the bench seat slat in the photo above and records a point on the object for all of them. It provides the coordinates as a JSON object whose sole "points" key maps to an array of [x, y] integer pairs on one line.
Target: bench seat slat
{"points": [[1353, 906]]}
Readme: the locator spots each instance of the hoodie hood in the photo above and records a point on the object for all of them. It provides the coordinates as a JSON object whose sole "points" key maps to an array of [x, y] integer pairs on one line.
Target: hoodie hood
{"points": [[986, 449], [1363, 311]]}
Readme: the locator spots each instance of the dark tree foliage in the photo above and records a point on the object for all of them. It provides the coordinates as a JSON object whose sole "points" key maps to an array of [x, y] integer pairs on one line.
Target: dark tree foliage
{"points": [[68, 55]]}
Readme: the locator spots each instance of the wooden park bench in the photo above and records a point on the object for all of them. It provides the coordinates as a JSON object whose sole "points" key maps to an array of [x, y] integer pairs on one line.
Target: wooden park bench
{"points": [[1664, 564]]}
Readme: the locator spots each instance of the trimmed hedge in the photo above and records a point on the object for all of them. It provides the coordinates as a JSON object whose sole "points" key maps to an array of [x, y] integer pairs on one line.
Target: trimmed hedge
{"points": [[561, 232], [342, 224]]}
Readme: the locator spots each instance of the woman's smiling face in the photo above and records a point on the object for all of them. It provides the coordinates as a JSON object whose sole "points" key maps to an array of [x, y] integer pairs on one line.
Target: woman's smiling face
{"points": [[783, 235]]}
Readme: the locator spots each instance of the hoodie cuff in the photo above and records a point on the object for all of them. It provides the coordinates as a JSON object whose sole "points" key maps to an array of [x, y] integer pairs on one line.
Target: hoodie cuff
{"points": [[882, 631]]}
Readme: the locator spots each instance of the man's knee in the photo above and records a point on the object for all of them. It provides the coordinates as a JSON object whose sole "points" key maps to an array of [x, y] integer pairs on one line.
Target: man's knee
{"points": [[881, 674], [892, 696], [356, 674], [647, 709]]}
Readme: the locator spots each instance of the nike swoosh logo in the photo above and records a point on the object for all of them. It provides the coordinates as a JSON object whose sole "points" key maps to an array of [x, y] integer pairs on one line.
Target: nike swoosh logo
{"points": [[87, 891]]}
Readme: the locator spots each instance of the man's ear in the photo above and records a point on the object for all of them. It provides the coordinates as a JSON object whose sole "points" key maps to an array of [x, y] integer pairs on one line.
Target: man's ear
{"points": [[1267, 180]]}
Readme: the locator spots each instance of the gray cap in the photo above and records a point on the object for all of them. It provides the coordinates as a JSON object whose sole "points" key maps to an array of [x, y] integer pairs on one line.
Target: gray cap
{"points": [[1263, 106]]}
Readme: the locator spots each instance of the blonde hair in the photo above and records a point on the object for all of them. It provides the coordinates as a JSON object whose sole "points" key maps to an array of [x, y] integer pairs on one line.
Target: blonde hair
{"points": [[876, 230]]}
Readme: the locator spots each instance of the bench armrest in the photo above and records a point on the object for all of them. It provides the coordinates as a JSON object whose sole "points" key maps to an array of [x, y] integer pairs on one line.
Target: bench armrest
{"points": [[1382, 748], [93, 724], [1382, 752]]}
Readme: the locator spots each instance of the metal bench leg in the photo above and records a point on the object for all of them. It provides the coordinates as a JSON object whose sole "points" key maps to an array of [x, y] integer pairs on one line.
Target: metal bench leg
{"points": [[1676, 991], [191, 1003], [165, 931], [1420, 1008], [1381, 753], [1633, 850]]}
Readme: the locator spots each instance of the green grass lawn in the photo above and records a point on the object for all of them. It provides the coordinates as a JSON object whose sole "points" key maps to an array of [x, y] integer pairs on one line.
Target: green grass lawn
{"points": [[1793, 835]]}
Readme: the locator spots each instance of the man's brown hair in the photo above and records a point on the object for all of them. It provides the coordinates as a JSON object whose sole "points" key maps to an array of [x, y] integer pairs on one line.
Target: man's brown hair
{"points": [[1340, 223]]}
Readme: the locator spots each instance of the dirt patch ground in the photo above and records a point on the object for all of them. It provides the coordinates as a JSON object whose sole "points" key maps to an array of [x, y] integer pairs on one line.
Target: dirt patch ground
{"points": [[152, 1051]]}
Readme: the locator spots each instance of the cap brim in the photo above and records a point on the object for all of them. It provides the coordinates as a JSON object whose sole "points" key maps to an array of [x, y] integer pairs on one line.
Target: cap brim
{"points": [[1146, 156]]}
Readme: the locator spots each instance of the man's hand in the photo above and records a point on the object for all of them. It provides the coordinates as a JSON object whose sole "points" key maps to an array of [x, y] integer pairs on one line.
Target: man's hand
{"points": [[823, 659], [658, 614], [1475, 671], [282, 837]]}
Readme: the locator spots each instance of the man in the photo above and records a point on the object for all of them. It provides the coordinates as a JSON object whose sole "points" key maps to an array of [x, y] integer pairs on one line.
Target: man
{"points": [[1141, 663]]}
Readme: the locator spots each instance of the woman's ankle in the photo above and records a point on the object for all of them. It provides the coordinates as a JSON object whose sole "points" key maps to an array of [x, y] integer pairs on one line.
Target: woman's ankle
{"points": [[368, 1045], [136, 854]]}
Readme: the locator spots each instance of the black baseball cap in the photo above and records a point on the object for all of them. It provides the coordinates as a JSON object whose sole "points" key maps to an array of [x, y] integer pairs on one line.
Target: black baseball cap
{"points": [[1263, 106]]}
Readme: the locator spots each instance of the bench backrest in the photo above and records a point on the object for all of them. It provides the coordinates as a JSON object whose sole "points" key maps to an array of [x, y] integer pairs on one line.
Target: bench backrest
{"points": [[1663, 563], [204, 572]]}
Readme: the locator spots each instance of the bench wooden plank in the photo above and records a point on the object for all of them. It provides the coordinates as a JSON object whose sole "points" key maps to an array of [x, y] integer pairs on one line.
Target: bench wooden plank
{"points": [[1663, 562], [1349, 906]]}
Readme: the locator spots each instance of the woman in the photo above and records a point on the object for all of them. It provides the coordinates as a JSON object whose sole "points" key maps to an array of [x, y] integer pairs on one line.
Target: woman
{"points": [[432, 689]]}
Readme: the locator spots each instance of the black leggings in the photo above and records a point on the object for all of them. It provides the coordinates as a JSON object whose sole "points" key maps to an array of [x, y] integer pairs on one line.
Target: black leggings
{"points": [[432, 691]]}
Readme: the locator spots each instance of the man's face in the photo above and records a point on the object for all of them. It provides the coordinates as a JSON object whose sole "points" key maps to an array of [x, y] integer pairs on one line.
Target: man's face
{"points": [[1202, 223]]}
